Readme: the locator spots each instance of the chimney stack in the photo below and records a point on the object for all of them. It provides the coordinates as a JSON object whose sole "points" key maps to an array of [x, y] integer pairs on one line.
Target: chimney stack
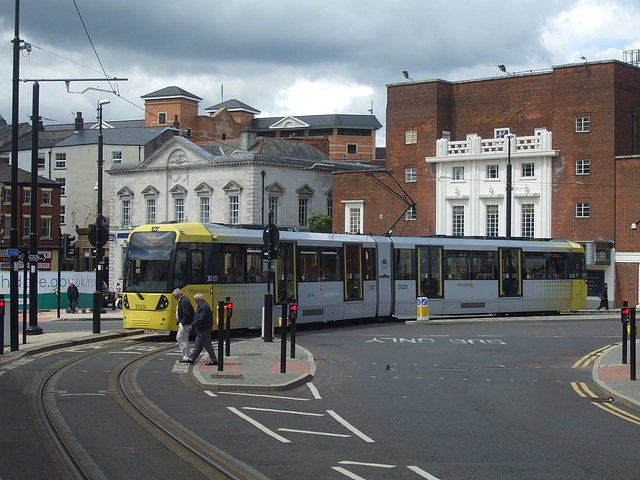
{"points": [[247, 139], [79, 122]]}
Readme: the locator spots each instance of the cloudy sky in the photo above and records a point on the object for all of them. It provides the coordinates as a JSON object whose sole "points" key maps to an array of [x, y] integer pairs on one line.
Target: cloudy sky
{"points": [[290, 56]]}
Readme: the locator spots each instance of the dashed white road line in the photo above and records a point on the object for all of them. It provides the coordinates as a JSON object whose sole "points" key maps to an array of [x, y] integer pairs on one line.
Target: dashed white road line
{"points": [[314, 391], [264, 396], [311, 432], [273, 410]]}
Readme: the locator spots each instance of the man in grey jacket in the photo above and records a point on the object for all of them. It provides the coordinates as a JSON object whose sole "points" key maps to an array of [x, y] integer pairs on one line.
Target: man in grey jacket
{"points": [[203, 325]]}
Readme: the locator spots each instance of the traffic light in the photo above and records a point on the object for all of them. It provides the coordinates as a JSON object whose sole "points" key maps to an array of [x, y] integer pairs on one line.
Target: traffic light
{"points": [[69, 247], [1, 306], [228, 305], [624, 314], [293, 312]]}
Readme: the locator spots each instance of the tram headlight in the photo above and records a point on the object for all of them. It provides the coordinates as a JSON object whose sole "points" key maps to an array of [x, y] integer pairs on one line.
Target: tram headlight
{"points": [[162, 303]]}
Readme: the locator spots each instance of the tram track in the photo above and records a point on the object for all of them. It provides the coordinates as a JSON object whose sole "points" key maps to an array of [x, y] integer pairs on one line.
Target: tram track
{"points": [[65, 457]]}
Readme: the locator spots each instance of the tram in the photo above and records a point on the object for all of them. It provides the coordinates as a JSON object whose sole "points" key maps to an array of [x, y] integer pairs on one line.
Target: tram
{"points": [[336, 277]]}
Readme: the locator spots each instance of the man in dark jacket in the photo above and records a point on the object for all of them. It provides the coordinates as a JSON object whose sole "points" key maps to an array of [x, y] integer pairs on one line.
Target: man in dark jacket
{"points": [[73, 295], [184, 317], [203, 325]]}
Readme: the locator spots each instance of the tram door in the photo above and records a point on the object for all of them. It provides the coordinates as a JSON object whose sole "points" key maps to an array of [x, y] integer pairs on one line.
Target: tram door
{"points": [[353, 272], [510, 268], [285, 278]]}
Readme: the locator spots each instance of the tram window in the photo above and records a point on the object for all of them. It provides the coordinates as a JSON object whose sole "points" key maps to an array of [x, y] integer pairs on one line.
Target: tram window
{"points": [[405, 261], [330, 265], [576, 266], [483, 266], [197, 263], [180, 271], [534, 266], [255, 274], [233, 264], [556, 265], [369, 263], [309, 265], [458, 265]]}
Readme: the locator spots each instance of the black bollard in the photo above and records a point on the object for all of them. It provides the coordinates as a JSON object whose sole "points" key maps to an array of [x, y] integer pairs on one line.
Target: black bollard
{"points": [[220, 335], [283, 339]]}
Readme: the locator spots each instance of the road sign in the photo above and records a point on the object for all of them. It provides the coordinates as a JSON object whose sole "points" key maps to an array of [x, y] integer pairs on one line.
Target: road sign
{"points": [[271, 236], [93, 235], [12, 252]]}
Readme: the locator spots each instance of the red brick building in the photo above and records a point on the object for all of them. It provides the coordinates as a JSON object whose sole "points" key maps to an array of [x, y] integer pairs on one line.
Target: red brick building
{"points": [[591, 171], [48, 224]]}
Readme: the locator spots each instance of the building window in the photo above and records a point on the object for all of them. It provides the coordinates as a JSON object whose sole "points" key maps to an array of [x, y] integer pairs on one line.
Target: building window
{"points": [[410, 175], [528, 230], [61, 160], [492, 172], [151, 210], [353, 216], [411, 136], [205, 209], [411, 214], [303, 211], [45, 227], [63, 215], [116, 157], [46, 198], [500, 132], [458, 173], [63, 186], [234, 209], [162, 118], [492, 220], [179, 209], [41, 161], [273, 208], [26, 226], [582, 209], [355, 220], [583, 166], [458, 221], [583, 124], [528, 170], [126, 213], [27, 196], [7, 226], [7, 195], [352, 148], [330, 204]]}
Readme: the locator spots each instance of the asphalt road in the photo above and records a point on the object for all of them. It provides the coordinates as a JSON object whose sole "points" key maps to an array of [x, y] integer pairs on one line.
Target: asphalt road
{"points": [[438, 401], [394, 401]]}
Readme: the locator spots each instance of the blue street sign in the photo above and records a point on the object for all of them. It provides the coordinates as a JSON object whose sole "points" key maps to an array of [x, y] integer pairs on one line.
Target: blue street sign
{"points": [[12, 252]]}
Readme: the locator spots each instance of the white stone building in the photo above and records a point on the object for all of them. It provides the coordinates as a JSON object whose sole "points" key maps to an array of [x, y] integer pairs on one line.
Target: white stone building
{"points": [[220, 182], [471, 185]]}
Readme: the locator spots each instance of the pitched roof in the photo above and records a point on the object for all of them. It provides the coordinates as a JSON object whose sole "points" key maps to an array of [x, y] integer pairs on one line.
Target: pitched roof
{"points": [[113, 136], [24, 177], [330, 120], [171, 92], [266, 146], [233, 105]]}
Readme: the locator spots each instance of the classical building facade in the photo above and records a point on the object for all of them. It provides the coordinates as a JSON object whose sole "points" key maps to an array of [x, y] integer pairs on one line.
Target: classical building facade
{"points": [[574, 153], [233, 182]]}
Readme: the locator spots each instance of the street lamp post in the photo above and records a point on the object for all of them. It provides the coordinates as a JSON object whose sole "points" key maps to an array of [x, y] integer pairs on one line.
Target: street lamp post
{"points": [[509, 186], [97, 294]]}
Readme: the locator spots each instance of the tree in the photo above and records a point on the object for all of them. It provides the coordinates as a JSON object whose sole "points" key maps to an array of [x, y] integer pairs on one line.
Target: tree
{"points": [[320, 222]]}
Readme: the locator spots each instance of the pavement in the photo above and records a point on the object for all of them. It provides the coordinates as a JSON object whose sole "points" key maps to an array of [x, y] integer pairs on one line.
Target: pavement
{"points": [[253, 364], [256, 365]]}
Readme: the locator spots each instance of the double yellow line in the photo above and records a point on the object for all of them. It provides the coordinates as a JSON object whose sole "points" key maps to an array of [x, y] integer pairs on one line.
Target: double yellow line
{"points": [[584, 391], [585, 361]]}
